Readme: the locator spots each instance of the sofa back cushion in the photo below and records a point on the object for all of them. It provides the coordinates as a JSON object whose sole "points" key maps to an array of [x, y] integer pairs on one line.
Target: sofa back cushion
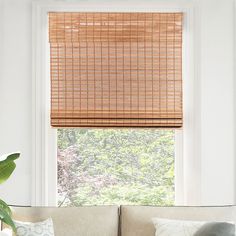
{"points": [[137, 220], [74, 221]]}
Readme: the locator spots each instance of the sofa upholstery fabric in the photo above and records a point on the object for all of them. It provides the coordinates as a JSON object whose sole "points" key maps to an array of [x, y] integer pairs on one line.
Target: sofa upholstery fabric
{"points": [[137, 220], [115, 221], [79, 221]]}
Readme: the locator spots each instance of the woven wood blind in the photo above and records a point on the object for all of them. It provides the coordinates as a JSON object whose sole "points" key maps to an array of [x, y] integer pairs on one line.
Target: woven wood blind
{"points": [[116, 69]]}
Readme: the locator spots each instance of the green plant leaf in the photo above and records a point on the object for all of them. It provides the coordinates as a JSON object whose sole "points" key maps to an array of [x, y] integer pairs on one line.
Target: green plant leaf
{"points": [[6, 218], [11, 157], [5, 207], [7, 166], [6, 170]]}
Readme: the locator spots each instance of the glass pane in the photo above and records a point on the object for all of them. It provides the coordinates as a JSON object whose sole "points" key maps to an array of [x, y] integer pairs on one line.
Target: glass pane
{"points": [[115, 166]]}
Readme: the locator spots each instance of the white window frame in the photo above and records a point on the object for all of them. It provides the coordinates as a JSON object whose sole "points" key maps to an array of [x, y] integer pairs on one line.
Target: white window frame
{"points": [[44, 162]]}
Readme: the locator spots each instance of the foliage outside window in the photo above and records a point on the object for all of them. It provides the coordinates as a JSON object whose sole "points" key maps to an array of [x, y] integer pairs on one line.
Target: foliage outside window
{"points": [[115, 166]]}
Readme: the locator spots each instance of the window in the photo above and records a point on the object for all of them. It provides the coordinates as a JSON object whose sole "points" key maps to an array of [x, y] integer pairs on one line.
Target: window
{"points": [[116, 70], [115, 166]]}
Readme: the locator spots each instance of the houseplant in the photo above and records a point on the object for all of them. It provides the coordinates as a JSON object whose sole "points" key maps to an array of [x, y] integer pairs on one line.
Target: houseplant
{"points": [[7, 166]]}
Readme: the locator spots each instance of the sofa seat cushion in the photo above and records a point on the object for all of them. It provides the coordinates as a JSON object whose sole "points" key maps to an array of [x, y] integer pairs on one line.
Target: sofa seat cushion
{"points": [[137, 220], [74, 221]]}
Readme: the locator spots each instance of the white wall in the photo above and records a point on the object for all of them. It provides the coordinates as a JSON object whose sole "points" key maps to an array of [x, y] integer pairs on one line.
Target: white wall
{"points": [[217, 102], [214, 98], [15, 95]]}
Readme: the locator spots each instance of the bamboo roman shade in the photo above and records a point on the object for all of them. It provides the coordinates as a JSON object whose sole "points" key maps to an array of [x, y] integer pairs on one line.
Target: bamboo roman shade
{"points": [[116, 69]]}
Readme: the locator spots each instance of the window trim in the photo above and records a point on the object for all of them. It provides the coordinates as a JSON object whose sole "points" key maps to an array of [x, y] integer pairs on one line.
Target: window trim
{"points": [[44, 167]]}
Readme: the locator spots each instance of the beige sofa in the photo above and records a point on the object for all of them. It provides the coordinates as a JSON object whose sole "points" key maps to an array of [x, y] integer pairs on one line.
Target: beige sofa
{"points": [[117, 221]]}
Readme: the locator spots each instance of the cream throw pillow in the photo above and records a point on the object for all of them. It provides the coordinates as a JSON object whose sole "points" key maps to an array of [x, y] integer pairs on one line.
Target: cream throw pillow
{"points": [[44, 228], [166, 227], [6, 232]]}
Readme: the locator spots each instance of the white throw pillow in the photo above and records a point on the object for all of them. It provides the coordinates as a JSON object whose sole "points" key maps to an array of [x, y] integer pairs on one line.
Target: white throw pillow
{"points": [[43, 228], [6, 232], [167, 227]]}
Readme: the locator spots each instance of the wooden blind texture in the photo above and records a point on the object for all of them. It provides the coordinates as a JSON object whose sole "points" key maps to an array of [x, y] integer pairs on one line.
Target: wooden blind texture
{"points": [[116, 69]]}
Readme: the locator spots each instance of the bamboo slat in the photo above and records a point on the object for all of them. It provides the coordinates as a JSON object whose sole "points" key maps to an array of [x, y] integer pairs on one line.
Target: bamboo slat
{"points": [[116, 69]]}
